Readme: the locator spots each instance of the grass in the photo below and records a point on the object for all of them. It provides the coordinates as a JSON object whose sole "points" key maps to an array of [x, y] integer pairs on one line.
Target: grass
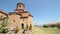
{"points": [[45, 31], [51, 31], [33, 32]]}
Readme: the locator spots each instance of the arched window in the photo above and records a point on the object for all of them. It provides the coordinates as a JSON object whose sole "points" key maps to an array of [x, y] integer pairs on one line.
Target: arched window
{"points": [[22, 25]]}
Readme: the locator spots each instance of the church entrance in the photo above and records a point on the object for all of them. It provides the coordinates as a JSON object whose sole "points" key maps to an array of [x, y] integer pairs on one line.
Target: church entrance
{"points": [[22, 25]]}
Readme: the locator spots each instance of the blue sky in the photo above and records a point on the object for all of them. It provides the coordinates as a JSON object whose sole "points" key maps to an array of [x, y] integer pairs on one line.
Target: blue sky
{"points": [[44, 11]]}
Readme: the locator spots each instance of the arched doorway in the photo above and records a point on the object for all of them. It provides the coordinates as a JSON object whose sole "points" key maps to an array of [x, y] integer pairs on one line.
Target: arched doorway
{"points": [[22, 26]]}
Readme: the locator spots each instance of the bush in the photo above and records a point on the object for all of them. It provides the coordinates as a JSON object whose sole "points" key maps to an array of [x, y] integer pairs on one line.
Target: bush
{"points": [[4, 30], [45, 26], [30, 28], [59, 27], [16, 29], [25, 29], [4, 23], [53, 26]]}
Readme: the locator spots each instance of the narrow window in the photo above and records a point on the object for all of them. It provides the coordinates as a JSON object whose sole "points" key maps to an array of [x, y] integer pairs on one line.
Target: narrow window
{"points": [[22, 25], [13, 20]]}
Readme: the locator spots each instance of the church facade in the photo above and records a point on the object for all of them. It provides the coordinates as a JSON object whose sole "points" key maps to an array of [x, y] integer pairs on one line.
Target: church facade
{"points": [[19, 18]]}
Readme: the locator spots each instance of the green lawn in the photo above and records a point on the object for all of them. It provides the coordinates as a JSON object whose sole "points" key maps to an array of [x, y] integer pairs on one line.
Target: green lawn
{"points": [[45, 31]]}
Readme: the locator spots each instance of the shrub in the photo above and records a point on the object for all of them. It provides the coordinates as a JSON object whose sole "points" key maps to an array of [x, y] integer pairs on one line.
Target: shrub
{"points": [[53, 26], [25, 29], [16, 29], [45, 26], [30, 28], [4, 30], [4, 23], [59, 27]]}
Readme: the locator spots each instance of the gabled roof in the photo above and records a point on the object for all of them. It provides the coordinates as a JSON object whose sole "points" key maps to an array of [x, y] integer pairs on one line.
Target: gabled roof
{"points": [[13, 13], [30, 15], [3, 13]]}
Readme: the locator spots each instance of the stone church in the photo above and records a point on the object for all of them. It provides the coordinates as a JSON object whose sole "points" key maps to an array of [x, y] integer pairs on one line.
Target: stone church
{"points": [[19, 18]]}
